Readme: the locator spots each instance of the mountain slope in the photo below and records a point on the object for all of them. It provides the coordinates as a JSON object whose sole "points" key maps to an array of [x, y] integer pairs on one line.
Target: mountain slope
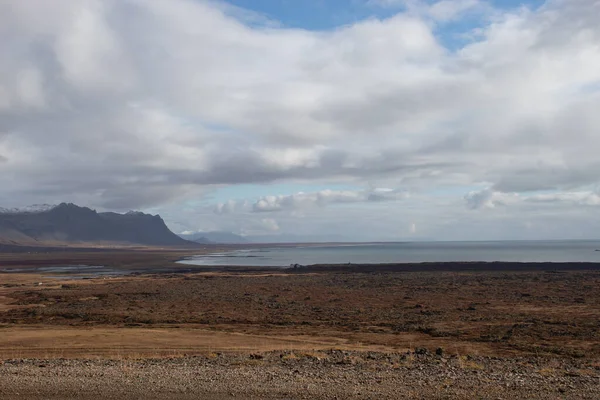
{"points": [[69, 223]]}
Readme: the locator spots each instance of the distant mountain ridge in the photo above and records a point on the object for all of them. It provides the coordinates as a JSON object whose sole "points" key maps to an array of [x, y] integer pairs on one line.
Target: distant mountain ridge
{"points": [[220, 237], [68, 223]]}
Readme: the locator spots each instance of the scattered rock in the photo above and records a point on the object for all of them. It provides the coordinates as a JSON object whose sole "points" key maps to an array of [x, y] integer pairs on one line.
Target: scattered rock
{"points": [[373, 375]]}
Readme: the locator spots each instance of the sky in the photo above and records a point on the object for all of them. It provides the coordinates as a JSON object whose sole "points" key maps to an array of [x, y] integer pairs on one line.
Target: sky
{"points": [[357, 120]]}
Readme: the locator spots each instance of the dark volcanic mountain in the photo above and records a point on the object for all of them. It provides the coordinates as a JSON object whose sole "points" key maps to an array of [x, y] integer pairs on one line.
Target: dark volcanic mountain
{"points": [[69, 223]]}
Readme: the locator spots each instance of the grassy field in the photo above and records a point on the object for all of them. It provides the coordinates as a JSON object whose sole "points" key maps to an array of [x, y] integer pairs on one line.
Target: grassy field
{"points": [[551, 313]]}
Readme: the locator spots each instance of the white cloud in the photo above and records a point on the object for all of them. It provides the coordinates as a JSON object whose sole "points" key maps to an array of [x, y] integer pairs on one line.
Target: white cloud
{"points": [[130, 103], [441, 11], [302, 200], [270, 224], [488, 198], [29, 88], [90, 52], [585, 198], [231, 206]]}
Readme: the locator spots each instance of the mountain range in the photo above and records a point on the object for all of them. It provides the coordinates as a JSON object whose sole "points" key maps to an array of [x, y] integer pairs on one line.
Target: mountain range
{"points": [[68, 223], [220, 237]]}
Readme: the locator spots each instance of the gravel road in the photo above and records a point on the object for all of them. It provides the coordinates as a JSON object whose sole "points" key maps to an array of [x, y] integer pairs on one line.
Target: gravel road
{"points": [[289, 375]]}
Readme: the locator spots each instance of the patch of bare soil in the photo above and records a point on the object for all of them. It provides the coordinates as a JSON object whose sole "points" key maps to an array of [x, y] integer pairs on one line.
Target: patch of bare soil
{"points": [[494, 313]]}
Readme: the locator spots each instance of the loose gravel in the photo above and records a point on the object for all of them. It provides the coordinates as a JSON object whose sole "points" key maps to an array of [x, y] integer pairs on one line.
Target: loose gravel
{"points": [[331, 374]]}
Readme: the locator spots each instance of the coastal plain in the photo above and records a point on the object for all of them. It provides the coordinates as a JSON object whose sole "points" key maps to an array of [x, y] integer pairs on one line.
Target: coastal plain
{"points": [[406, 330]]}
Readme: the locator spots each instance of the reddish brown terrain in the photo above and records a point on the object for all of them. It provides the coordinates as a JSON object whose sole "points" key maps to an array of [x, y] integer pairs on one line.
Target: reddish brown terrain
{"points": [[541, 320]]}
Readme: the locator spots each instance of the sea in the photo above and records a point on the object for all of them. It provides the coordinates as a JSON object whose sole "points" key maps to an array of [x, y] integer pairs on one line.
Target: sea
{"points": [[405, 252]]}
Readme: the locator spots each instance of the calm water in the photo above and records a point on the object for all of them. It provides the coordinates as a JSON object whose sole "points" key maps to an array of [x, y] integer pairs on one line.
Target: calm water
{"points": [[551, 251], [71, 271]]}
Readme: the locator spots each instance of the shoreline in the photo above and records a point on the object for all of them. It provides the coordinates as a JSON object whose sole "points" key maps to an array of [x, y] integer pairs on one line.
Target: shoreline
{"points": [[67, 268], [445, 266], [450, 266], [422, 253]]}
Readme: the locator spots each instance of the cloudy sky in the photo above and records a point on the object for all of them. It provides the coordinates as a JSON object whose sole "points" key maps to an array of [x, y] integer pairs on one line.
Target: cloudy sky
{"points": [[350, 119]]}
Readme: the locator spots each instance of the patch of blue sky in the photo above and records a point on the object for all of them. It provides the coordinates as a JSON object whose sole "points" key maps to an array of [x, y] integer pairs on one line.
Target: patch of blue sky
{"points": [[508, 4], [455, 35], [323, 15], [461, 31], [330, 14], [591, 88], [315, 15]]}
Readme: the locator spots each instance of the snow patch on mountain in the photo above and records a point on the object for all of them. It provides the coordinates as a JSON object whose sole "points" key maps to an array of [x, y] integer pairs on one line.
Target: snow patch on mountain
{"points": [[34, 208]]}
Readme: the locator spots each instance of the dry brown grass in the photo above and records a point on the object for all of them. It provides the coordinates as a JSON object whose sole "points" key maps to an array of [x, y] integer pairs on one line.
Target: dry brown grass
{"points": [[135, 259], [465, 363], [469, 313], [547, 371], [124, 343]]}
